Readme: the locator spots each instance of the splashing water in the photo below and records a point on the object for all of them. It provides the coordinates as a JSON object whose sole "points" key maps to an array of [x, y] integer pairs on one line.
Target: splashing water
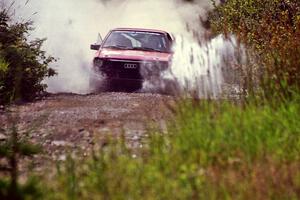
{"points": [[197, 68]]}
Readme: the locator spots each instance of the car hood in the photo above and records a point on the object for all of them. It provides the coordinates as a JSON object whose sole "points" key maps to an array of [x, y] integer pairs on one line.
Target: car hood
{"points": [[133, 55]]}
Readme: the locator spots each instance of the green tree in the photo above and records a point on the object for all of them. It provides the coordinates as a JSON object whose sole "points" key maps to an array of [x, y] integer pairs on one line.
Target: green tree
{"points": [[23, 65]]}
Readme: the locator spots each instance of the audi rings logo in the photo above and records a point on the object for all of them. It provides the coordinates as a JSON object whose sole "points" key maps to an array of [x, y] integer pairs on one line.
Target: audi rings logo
{"points": [[130, 66]]}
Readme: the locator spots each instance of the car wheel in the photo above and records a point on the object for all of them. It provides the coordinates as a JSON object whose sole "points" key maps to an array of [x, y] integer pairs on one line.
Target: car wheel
{"points": [[162, 86], [97, 83], [171, 87]]}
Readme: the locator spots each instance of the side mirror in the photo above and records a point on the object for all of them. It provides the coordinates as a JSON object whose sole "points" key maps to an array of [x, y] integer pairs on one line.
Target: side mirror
{"points": [[95, 47]]}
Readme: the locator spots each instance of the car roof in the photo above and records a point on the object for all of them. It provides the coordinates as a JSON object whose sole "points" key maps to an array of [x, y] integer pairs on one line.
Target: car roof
{"points": [[140, 29]]}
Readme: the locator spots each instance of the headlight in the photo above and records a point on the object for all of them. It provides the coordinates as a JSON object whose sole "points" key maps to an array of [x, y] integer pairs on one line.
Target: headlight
{"points": [[98, 62]]}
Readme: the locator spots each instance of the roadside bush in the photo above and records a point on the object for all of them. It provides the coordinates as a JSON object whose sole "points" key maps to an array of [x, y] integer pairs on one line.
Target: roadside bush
{"points": [[271, 31], [23, 65]]}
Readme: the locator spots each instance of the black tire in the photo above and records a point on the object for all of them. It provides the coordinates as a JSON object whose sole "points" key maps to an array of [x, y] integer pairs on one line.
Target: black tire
{"points": [[171, 87], [97, 83], [162, 86]]}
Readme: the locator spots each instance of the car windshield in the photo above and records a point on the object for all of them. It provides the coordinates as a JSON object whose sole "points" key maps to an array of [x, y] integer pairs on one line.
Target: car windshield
{"points": [[137, 40]]}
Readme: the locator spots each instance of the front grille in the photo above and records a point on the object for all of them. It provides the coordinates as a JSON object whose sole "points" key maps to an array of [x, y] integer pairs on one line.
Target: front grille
{"points": [[122, 69], [131, 69]]}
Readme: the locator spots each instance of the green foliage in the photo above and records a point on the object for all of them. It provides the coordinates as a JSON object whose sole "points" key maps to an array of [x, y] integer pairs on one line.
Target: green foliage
{"points": [[271, 31], [3, 71], [212, 150], [23, 65], [3, 66]]}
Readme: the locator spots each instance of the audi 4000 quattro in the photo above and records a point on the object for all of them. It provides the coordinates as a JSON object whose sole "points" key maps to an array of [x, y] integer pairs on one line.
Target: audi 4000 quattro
{"points": [[129, 56]]}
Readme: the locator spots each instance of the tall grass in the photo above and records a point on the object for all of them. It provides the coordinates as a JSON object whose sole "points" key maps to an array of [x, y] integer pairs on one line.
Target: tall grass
{"points": [[213, 150]]}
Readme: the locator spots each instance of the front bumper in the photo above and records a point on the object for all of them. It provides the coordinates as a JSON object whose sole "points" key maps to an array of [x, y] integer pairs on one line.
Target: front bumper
{"points": [[129, 70]]}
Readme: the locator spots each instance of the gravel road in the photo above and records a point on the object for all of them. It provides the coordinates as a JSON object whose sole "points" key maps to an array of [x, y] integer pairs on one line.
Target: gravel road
{"points": [[63, 123]]}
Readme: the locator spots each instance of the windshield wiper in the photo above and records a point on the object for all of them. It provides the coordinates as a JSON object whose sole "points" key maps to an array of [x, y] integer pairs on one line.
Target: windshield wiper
{"points": [[117, 47], [146, 49]]}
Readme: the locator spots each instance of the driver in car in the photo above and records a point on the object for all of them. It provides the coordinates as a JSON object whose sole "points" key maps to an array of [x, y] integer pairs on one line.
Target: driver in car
{"points": [[119, 40], [154, 43]]}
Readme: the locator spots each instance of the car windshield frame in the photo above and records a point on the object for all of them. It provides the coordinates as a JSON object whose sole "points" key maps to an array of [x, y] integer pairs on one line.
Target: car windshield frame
{"points": [[137, 40]]}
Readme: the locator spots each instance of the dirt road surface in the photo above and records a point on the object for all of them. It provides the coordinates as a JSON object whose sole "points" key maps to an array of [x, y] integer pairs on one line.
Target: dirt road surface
{"points": [[63, 123]]}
